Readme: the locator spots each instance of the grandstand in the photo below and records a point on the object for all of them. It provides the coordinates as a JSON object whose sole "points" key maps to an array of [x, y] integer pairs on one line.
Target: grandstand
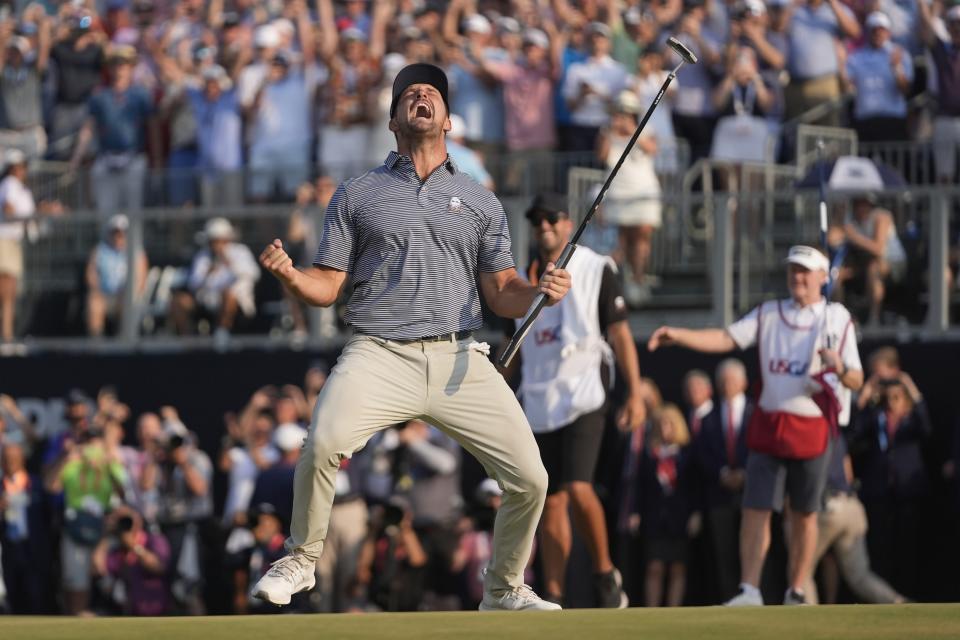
{"points": [[175, 124]]}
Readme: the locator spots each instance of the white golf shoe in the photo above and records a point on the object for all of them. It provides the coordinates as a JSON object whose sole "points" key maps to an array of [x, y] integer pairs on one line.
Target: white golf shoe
{"points": [[748, 597], [520, 598], [289, 575]]}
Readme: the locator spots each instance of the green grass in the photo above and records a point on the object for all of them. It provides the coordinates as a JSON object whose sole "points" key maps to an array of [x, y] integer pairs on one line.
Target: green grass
{"points": [[906, 622]]}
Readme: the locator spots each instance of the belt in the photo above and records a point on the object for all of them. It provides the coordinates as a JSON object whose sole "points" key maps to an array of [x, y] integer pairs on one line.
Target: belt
{"points": [[443, 337]]}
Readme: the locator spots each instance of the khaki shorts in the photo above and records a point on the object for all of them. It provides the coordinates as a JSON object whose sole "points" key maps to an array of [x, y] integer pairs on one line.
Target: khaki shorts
{"points": [[11, 258], [76, 561]]}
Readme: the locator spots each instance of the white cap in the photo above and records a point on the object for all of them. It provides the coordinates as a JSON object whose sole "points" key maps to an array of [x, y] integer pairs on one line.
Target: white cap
{"points": [[218, 229], [600, 29], [458, 128], [476, 23], [627, 102], [488, 488], [19, 43], [878, 19], [173, 428], [118, 221], [289, 436], [953, 14], [283, 26], [755, 7], [266, 37], [353, 33], [537, 38], [392, 64], [216, 73], [633, 15], [13, 157], [506, 24], [808, 257]]}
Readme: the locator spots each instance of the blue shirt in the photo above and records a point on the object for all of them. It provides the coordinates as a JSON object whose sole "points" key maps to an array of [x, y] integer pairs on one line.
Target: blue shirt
{"points": [[121, 119], [218, 130], [877, 93], [480, 105], [414, 249], [560, 109], [812, 37], [468, 161], [695, 85], [111, 267]]}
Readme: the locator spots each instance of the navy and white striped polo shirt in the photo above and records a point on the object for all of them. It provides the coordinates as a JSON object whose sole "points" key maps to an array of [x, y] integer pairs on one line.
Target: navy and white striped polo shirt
{"points": [[414, 249]]}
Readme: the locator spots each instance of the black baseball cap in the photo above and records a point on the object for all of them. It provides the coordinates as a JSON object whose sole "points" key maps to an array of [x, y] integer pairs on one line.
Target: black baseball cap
{"points": [[548, 203], [419, 73]]}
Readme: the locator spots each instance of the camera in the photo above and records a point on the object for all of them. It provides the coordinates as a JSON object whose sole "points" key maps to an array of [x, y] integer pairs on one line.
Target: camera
{"points": [[392, 515], [124, 524], [175, 442]]}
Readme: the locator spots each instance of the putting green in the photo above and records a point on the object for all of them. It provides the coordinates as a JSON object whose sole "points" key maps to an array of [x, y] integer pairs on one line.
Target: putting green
{"points": [[910, 622]]}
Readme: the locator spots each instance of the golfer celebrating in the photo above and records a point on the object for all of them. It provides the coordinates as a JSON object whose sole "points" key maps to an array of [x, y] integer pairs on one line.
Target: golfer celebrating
{"points": [[805, 346], [413, 237]]}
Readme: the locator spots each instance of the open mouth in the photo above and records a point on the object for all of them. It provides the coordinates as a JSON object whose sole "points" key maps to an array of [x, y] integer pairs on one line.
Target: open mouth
{"points": [[422, 109]]}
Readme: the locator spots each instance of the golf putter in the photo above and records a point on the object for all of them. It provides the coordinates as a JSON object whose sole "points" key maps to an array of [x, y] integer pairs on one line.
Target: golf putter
{"points": [[686, 56]]}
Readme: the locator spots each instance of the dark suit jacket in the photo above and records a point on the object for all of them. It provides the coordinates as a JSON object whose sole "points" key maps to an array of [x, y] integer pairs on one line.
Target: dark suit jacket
{"points": [[663, 514], [711, 450], [899, 471]]}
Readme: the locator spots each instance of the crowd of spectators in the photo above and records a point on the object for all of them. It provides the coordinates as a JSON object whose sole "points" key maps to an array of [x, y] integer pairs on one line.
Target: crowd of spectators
{"points": [[226, 102], [127, 514], [204, 90]]}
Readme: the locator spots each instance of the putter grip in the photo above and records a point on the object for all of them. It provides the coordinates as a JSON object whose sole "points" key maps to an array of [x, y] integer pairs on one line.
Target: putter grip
{"points": [[507, 356]]}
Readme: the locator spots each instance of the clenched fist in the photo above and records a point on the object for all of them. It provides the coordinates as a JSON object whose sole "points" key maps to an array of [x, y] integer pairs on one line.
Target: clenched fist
{"points": [[275, 260]]}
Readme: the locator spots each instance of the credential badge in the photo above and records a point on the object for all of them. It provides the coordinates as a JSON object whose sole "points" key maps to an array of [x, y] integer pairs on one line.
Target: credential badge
{"points": [[455, 205]]}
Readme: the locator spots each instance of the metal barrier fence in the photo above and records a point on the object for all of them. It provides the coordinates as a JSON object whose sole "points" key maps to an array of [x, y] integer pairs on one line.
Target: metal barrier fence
{"points": [[719, 250]]}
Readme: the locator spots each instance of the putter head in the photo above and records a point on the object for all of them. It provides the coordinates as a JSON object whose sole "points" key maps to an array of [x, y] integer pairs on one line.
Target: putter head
{"points": [[681, 50]]}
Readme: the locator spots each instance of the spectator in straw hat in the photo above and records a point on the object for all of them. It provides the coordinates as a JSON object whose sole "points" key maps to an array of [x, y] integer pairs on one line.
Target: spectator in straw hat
{"points": [[221, 282]]}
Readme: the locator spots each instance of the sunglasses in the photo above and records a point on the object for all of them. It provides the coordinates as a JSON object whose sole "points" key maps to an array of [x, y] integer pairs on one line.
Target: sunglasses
{"points": [[552, 217]]}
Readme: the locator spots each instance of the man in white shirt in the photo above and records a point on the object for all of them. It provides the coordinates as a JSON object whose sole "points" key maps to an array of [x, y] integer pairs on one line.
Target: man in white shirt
{"points": [[590, 88], [698, 394], [220, 284], [807, 351], [722, 456]]}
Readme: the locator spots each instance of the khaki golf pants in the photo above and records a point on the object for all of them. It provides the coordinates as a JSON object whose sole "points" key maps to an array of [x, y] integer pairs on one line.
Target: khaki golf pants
{"points": [[842, 526], [452, 385]]}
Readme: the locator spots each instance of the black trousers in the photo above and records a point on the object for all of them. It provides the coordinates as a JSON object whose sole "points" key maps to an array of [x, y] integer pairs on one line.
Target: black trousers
{"points": [[723, 529]]}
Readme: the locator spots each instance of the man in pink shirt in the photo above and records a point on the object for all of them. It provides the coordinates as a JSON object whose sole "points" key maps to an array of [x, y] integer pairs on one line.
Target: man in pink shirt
{"points": [[528, 87]]}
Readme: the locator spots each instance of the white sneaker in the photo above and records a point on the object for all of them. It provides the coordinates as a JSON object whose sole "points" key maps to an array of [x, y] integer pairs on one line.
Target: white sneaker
{"points": [[289, 575], [519, 599], [746, 598]]}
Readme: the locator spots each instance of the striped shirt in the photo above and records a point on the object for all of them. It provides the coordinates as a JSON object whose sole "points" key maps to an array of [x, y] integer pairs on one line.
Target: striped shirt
{"points": [[414, 248]]}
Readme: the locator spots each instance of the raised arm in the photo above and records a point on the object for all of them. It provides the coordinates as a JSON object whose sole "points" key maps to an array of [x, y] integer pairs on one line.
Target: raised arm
{"points": [[316, 286], [44, 42], [305, 32], [847, 22], [328, 38], [927, 33]]}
